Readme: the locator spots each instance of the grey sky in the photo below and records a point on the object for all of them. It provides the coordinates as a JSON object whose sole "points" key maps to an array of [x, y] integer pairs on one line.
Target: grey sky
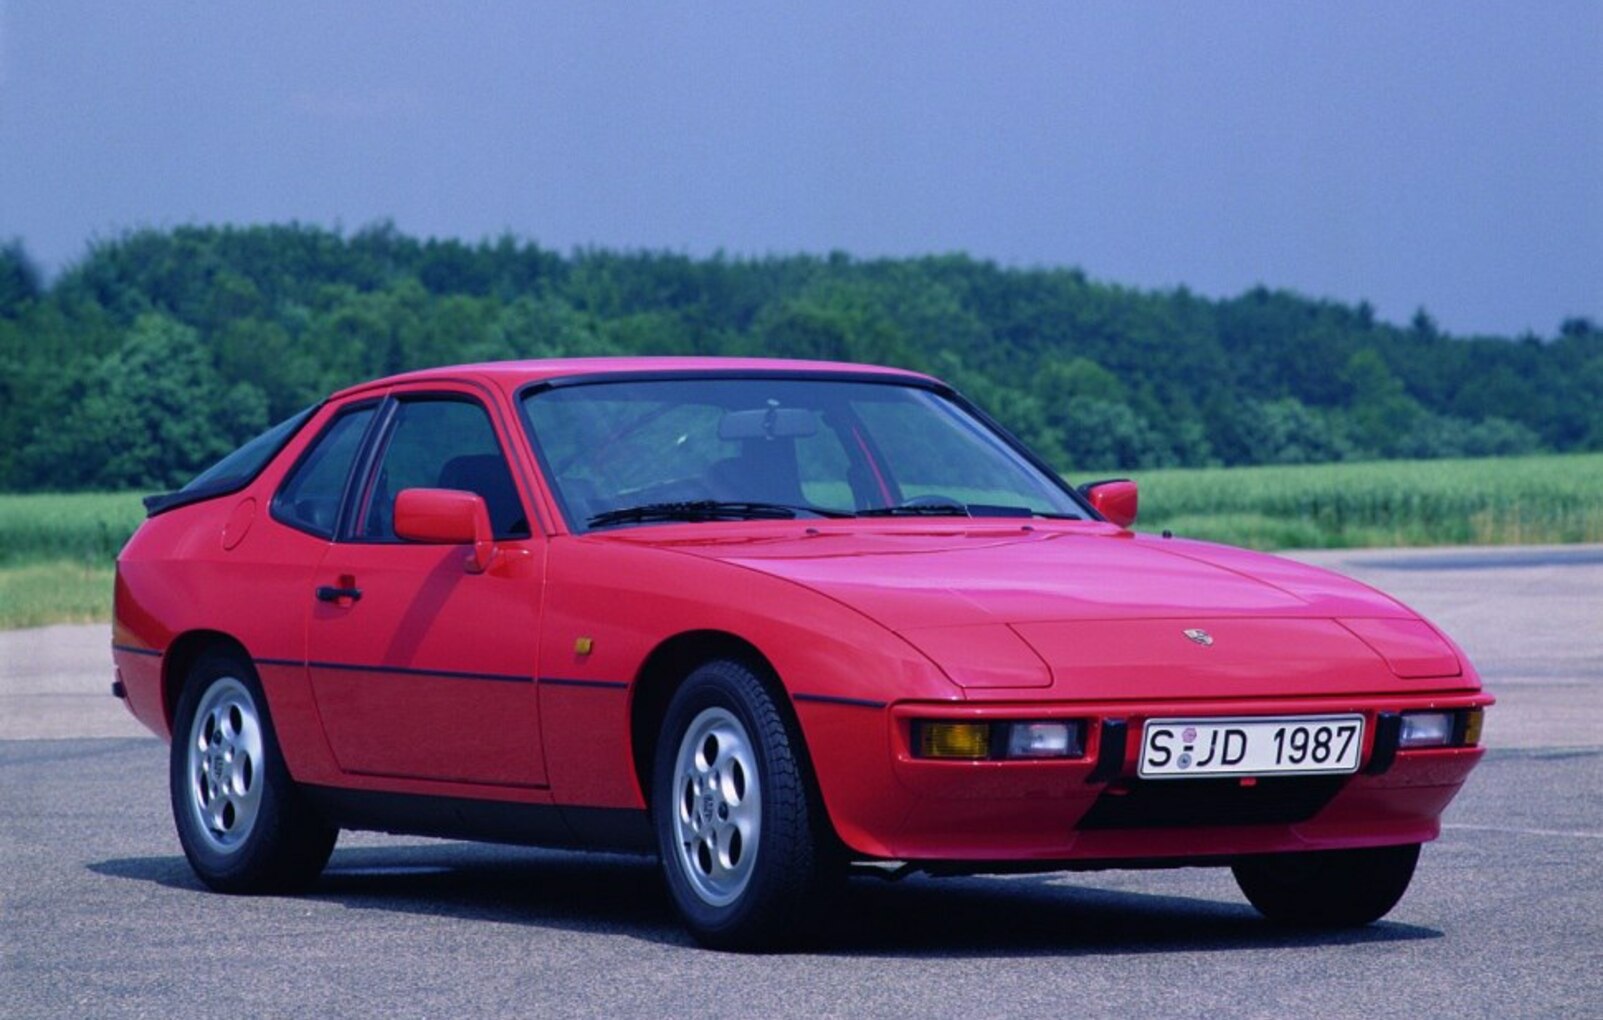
{"points": [[1446, 155]]}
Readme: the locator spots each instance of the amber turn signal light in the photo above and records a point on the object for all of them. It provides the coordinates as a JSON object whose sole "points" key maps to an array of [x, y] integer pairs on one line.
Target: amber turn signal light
{"points": [[954, 740]]}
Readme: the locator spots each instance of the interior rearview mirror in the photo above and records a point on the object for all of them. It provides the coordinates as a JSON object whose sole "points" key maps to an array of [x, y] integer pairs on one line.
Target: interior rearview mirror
{"points": [[768, 423]]}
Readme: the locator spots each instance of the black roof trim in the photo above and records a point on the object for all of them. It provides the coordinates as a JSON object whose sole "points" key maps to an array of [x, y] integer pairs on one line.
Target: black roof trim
{"points": [[666, 374]]}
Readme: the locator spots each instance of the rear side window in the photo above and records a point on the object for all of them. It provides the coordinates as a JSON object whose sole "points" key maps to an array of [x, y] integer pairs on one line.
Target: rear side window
{"points": [[440, 443], [234, 471], [310, 497]]}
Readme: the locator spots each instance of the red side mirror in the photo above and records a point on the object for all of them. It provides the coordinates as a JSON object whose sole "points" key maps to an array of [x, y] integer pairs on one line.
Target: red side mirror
{"points": [[1115, 499], [447, 517]]}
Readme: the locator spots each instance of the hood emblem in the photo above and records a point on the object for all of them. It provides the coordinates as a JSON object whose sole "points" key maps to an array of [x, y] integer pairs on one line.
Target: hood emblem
{"points": [[1200, 636]]}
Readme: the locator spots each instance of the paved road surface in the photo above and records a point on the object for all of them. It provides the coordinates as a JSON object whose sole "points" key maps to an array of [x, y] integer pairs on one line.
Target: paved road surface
{"points": [[1531, 619], [99, 915]]}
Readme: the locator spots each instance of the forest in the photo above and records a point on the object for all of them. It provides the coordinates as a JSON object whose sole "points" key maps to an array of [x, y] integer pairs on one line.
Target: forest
{"points": [[161, 350]]}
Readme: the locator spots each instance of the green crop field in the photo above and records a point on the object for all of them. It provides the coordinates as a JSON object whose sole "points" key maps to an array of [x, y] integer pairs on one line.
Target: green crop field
{"points": [[1488, 501], [56, 554], [84, 526], [56, 550]]}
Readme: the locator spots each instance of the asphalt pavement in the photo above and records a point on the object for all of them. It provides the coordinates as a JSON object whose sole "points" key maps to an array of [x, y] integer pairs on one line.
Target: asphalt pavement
{"points": [[100, 916]]}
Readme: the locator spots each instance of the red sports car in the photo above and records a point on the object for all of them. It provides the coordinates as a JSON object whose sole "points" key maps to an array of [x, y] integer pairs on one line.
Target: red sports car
{"points": [[769, 620]]}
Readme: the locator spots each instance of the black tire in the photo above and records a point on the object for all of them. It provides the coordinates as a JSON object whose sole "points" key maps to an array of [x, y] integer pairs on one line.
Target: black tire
{"points": [[741, 879], [1328, 889], [244, 825]]}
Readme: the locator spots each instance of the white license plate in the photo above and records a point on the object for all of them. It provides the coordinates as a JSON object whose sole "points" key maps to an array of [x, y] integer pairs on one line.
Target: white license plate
{"points": [[1301, 745]]}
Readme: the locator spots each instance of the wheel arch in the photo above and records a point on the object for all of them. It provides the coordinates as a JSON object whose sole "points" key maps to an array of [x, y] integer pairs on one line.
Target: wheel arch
{"points": [[666, 668], [670, 664], [182, 655]]}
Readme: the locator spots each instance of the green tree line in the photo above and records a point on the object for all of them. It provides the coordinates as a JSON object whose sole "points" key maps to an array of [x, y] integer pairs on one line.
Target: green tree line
{"points": [[161, 350]]}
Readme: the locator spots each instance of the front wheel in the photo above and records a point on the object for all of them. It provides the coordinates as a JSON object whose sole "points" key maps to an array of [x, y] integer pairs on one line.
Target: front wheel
{"points": [[244, 826], [1328, 889], [735, 826]]}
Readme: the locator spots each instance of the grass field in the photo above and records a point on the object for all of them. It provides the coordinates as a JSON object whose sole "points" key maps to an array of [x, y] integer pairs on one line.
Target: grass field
{"points": [[36, 594], [1491, 501], [86, 526], [56, 554], [56, 550]]}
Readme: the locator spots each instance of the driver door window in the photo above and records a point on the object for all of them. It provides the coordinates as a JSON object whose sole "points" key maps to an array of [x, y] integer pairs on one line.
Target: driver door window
{"points": [[442, 444]]}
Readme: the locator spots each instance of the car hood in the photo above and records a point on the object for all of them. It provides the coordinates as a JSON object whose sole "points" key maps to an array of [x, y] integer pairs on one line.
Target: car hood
{"points": [[1102, 611], [932, 577]]}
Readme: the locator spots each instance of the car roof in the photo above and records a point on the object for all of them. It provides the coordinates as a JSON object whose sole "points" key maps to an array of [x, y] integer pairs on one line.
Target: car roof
{"points": [[512, 374]]}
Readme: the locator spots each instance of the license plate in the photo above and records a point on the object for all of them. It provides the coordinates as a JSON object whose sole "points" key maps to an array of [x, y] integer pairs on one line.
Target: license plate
{"points": [[1302, 745]]}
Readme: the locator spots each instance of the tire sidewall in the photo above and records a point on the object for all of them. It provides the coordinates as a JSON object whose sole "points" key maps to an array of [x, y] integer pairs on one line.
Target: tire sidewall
{"points": [[1329, 889], [729, 686], [228, 871]]}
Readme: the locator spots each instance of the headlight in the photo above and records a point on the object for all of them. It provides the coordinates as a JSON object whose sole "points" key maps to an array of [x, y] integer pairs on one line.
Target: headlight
{"points": [[1426, 729], [1043, 740], [1458, 728]]}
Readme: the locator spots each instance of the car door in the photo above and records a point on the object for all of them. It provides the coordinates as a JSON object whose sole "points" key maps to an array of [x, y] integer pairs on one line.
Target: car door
{"points": [[420, 668]]}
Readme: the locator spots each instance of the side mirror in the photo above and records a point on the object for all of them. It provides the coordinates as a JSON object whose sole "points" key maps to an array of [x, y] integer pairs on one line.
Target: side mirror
{"points": [[1113, 498], [447, 517]]}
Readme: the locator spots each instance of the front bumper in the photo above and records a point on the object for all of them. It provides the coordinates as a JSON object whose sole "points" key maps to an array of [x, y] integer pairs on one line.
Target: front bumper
{"points": [[887, 803]]}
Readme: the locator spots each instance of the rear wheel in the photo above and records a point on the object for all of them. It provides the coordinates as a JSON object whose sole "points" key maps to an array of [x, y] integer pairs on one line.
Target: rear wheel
{"points": [[1328, 889], [735, 825], [244, 826]]}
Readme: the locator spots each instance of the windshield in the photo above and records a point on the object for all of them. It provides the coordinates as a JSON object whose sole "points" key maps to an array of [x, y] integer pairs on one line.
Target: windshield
{"points": [[674, 449]]}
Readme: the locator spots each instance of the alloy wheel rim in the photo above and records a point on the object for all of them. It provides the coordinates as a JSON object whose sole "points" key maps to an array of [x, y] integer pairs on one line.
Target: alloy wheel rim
{"points": [[718, 806], [225, 765]]}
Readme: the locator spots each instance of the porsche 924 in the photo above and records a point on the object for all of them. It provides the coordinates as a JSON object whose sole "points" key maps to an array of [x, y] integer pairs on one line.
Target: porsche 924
{"points": [[768, 620]]}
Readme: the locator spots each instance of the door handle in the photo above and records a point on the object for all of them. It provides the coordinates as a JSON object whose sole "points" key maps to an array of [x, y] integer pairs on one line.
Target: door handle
{"points": [[329, 593]]}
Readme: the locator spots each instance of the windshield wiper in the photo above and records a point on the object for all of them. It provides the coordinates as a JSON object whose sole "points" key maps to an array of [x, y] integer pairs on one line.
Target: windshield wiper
{"points": [[955, 509], [917, 510], [707, 510]]}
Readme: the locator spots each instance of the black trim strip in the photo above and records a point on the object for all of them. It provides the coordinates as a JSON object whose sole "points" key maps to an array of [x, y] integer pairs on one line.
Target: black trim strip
{"points": [[627, 830], [1110, 752], [407, 671], [610, 685], [830, 699], [131, 650], [1388, 733], [645, 374]]}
